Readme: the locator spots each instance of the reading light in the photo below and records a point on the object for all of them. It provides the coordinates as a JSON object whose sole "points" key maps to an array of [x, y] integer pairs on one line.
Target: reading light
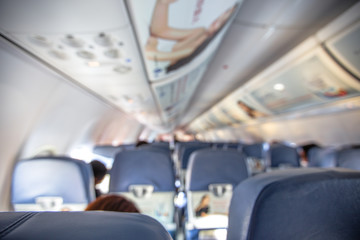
{"points": [[279, 87], [93, 64]]}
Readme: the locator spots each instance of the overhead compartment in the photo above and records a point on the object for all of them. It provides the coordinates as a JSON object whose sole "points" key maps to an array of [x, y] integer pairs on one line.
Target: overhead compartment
{"points": [[345, 48], [314, 78]]}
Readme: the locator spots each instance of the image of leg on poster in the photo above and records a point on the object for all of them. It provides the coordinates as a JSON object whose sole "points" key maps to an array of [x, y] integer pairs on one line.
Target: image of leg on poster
{"points": [[202, 210], [189, 42], [251, 112]]}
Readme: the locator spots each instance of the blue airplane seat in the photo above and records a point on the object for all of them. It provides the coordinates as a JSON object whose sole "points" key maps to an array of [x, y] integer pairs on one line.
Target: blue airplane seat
{"points": [[212, 174], [52, 183], [147, 178], [284, 156], [297, 204], [187, 149], [80, 225], [254, 150], [349, 158], [159, 146], [256, 156], [233, 145], [322, 157]]}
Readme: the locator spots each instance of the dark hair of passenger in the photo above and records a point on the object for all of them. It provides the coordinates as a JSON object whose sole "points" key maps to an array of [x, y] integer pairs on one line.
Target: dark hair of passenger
{"points": [[307, 147], [140, 143], [114, 203], [99, 170]]}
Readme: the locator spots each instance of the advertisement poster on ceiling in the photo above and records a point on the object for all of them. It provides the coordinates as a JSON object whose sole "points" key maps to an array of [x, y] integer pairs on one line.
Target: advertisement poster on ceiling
{"points": [[248, 108], [311, 80], [346, 49], [174, 33]]}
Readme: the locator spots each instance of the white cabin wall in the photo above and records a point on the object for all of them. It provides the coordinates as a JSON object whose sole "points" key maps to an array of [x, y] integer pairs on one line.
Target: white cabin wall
{"points": [[40, 108]]}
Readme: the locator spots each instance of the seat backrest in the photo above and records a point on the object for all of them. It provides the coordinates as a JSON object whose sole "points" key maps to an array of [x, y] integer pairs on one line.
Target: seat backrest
{"points": [[322, 157], [52, 183], [80, 225], [213, 174], [156, 146], [297, 204], [254, 150], [256, 156], [147, 178], [284, 156], [187, 149], [349, 158]]}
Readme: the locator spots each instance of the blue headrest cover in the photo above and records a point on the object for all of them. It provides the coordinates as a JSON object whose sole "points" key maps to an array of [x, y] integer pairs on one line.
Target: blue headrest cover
{"points": [[187, 150], [142, 167], [210, 166], [281, 154], [349, 158], [322, 157], [253, 150], [80, 225], [68, 178], [297, 204]]}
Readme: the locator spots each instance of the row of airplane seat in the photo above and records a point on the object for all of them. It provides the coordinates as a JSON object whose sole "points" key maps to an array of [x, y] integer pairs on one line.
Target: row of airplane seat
{"points": [[147, 177], [295, 204], [80, 225], [346, 157]]}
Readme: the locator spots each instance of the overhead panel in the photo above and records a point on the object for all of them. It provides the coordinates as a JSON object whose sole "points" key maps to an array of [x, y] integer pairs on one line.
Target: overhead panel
{"points": [[92, 42], [316, 73], [311, 80], [262, 32]]}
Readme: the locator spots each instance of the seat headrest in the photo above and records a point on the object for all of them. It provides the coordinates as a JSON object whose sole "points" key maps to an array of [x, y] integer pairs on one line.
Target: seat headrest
{"points": [[142, 167], [254, 150], [80, 225], [284, 155], [322, 157], [68, 178], [297, 204], [349, 158], [188, 149], [209, 166]]}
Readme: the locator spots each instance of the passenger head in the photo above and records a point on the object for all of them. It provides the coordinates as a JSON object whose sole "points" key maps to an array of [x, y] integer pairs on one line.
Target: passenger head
{"points": [[114, 203], [140, 143], [99, 171], [308, 146]]}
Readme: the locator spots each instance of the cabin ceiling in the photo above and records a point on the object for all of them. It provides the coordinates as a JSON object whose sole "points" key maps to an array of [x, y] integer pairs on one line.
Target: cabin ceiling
{"points": [[262, 32]]}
